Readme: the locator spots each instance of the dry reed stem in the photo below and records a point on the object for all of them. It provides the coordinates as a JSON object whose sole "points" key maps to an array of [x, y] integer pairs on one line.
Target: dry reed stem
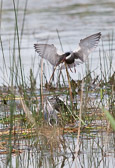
{"points": [[52, 75], [70, 90], [80, 119], [29, 116], [42, 83]]}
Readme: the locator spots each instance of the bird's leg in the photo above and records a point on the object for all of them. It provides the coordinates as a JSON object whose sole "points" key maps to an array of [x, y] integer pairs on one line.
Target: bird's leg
{"points": [[70, 69], [52, 75], [74, 68], [55, 69]]}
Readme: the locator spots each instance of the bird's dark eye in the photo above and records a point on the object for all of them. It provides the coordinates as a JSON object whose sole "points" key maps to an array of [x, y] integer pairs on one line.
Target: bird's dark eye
{"points": [[67, 53]]}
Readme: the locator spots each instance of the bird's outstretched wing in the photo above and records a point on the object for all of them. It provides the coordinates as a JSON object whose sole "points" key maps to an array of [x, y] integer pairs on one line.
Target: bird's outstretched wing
{"points": [[86, 46], [48, 52]]}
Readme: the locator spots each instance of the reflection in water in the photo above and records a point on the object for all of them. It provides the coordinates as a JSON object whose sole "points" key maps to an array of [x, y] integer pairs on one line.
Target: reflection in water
{"points": [[96, 150], [74, 20]]}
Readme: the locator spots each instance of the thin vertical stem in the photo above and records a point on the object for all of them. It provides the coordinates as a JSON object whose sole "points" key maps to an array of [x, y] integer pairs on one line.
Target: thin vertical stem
{"points": [[18, 41], [42, 82], [59, 40], [22, 30], [70, 90], [79, 126]]}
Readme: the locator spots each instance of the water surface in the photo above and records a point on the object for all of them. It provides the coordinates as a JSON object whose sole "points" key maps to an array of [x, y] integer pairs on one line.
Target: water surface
{"points": [[74, 21]]}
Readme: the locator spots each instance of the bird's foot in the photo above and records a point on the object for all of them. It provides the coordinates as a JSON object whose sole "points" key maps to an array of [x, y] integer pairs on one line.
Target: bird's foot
{"points": [[74, 68], [70, 69]]}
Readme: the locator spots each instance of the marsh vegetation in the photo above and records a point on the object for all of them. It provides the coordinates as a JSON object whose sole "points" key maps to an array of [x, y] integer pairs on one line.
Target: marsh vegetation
{"points": [[69, 123]]}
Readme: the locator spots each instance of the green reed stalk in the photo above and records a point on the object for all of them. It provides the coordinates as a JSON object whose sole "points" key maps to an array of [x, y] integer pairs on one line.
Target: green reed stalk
{"points": [[9, 156], [23, 22], [14, 66], [17, 32], [110, 53], [110, 118]]}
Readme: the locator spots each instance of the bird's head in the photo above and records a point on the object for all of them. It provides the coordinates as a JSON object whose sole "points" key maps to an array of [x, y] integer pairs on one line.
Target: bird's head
{"points": [[67, 54], [64, 57]]}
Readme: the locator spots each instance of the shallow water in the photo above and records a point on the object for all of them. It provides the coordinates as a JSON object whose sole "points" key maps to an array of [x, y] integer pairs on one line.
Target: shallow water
{"points": [[74, 20], [96, 150]]}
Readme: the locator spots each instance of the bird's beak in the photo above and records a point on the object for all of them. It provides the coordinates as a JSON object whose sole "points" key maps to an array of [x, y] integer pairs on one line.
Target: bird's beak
{"points": [[63, 60]]}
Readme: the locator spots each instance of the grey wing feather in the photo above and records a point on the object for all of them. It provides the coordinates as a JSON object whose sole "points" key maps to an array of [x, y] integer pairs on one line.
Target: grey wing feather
{"points": [[87, 45], [48, 52]]}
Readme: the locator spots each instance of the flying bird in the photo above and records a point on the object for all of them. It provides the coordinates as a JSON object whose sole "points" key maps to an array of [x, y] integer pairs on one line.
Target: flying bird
{"points": [[71, 58]]}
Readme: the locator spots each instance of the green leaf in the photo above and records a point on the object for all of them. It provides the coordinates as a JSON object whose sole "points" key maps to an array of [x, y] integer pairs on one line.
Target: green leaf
{"points": [[110, 118]]}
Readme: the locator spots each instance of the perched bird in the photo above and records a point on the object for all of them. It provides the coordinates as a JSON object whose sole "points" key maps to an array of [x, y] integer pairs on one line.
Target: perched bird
{"points": [[71, 58]]}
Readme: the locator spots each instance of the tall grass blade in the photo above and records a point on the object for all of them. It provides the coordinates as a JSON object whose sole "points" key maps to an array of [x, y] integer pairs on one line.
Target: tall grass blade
{"points": [[17, 32], [110, 118]]}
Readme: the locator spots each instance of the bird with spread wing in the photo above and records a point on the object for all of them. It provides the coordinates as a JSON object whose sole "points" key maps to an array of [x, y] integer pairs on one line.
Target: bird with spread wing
{"points": [[71, 58]]}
